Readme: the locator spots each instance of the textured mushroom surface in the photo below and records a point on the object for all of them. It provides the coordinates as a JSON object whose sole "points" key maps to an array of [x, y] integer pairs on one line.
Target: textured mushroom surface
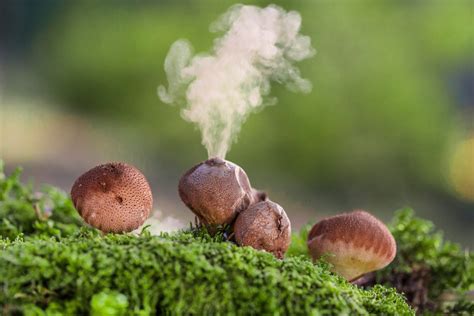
{"points": [[264, 226], [113, 197], [216, 191], [355, 243]]}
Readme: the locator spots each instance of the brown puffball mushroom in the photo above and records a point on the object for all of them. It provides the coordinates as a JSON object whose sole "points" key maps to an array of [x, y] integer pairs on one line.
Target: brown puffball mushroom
{"points": [[264, 226], [356, 243], [216, 190], [113, 197]]}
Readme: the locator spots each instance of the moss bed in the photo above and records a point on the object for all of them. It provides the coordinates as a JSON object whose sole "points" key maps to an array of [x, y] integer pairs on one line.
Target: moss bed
{"points": [[53, 265]]}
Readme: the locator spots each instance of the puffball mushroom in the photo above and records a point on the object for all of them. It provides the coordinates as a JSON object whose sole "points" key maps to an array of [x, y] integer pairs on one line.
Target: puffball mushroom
{"points": [[113, 197], [356, 243], [216, 190], [264, 226]]}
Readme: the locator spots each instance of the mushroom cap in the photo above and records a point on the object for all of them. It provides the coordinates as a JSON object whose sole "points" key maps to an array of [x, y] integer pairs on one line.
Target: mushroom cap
{"points": [[216, 190], [264, 226], [113, 197], [357, 243]]}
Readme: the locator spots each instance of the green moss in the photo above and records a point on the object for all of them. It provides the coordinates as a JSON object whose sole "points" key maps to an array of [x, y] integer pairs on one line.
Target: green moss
{"points": [[182, 274], [23, 211], [427, 267], [299, 240], [53, 265]]}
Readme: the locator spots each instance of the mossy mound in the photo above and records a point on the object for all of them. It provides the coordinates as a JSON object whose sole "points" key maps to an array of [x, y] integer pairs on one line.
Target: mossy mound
{"points": [[53, 265], [185, 273]]}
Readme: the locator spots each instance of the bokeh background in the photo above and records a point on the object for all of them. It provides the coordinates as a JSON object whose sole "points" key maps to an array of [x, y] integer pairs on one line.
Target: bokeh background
{"points": [[389, 123]]}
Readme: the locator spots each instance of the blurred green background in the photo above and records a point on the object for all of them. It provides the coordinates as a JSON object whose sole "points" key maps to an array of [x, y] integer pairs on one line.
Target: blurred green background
{"points": [[389, 122]]}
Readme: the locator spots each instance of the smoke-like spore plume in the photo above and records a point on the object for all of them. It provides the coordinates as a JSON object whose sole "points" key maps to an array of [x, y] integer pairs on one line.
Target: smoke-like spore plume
{"points": [[220, 89]]}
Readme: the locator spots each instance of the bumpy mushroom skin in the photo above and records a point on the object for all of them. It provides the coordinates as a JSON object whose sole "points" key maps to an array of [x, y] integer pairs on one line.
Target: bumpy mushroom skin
{"points": [[216, 191], [356, 243], [113, 197], [264, 226]]}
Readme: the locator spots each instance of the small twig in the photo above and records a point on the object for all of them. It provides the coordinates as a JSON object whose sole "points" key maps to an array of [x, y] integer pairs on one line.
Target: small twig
{"points": [[230, 236], [39, 214], [364, 280]]}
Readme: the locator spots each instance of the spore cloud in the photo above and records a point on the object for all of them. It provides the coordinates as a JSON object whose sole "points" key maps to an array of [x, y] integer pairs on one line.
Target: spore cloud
{"points": [[219, 89]]}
